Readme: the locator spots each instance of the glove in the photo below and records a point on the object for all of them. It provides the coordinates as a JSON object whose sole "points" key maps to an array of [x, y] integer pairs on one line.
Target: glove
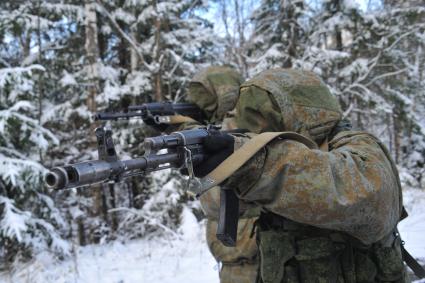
{"points": [[218, 146]]}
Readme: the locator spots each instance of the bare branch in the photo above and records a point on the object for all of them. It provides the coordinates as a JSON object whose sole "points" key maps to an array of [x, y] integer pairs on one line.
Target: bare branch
{"points": [[386, 75], [130, 40], [348, 111], [151, 220]]}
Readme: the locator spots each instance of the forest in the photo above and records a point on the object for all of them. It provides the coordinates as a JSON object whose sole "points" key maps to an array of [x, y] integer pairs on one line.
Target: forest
{"points": [[61, 61]]}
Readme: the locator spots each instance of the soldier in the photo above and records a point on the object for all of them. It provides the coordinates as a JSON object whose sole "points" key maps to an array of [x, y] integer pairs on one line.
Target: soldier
{"points": [[215, 91], [330, 198]]}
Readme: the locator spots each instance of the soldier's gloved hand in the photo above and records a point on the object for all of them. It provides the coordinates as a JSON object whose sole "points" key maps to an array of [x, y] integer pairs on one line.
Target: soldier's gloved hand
{"points": [[218, 146]]}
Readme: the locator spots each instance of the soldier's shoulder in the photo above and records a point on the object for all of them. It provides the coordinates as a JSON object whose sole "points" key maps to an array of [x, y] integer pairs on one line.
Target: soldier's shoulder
{"points": [[351, 136]]}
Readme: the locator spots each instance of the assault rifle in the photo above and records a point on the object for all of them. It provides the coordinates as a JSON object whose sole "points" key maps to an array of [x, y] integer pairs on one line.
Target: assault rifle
{"points": [[184, 149], [155, 112]]}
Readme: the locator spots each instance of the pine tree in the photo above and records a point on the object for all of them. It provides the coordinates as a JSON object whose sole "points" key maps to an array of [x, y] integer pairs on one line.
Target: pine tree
{"points": [[371, 59], [406, 91], [278, 38], [157, 47], [30, 221]]}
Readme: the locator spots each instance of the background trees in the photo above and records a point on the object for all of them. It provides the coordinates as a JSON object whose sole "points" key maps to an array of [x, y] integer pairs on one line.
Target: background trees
{"points": [[371, 58], [60, 61]]}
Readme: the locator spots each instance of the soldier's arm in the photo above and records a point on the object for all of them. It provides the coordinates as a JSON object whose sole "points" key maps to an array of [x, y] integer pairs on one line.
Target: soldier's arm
{"points": [[353, 188]]}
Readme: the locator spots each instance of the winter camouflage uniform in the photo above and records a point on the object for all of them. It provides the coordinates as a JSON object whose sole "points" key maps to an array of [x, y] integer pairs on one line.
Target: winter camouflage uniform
{"points": [[328, 215], [215, 91]]}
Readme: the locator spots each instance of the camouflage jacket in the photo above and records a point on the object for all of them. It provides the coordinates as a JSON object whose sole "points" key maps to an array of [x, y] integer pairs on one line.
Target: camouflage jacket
{"points": [[354, 187]]}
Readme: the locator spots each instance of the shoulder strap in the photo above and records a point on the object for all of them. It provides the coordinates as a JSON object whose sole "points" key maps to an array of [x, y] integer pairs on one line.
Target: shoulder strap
{"points": [[243, 154], [413, 263]]}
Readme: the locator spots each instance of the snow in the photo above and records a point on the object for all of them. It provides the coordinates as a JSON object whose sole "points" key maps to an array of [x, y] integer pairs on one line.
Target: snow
{"points": [[13, 224], [124, 16], [67, 79], [187, 43], [11, 170], [170, 259], [412, 229], [166, 260]]}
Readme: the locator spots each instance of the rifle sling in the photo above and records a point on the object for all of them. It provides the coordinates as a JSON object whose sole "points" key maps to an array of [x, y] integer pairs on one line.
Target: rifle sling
{"points": [[250, 148], [414, 265], [243, 154]]}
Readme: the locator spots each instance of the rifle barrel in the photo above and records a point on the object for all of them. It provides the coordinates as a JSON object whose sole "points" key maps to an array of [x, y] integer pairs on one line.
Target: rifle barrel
{"points": [[154, 109], [98, 171], [103, 116]]}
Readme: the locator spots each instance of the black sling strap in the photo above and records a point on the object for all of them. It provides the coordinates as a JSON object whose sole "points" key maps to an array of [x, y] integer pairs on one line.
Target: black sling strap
{"points": [[413, 263]]}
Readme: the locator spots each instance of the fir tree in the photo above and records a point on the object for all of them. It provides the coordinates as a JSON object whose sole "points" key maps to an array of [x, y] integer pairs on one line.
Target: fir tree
{"points": [[30, 220]]}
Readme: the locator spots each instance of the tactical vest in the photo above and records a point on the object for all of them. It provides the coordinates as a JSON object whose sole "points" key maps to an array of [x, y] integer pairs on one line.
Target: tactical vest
{"points": [[294, 252]]}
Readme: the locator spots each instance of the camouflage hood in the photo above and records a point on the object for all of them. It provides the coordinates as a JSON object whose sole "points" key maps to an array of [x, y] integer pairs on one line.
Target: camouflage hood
{"points": [[215, 90], [287, 100]]}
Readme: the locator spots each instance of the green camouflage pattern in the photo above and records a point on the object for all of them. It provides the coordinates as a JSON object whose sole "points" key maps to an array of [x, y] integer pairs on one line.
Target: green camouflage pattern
{"points": [[245, 250], [210, 203], [353, 188], [339, 205], [287, 100], [238, 273], [345, 203], [238, 264], [215, 90], [289, 255]]}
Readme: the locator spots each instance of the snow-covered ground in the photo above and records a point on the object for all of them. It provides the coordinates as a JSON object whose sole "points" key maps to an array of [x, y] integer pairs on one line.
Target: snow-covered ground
{"points": [[412, 229], [167, 260], [184, 259], [137, 261]]}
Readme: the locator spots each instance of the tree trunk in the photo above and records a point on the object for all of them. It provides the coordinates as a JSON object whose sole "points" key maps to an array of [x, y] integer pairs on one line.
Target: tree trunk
{"points": [[92, 56], [25, 40], [123, 54], [92, 53], [390, 133], [240, 25], [40, 76], [81, 232], [112, 197], [396, 134], [158, 60], [134, 58]]}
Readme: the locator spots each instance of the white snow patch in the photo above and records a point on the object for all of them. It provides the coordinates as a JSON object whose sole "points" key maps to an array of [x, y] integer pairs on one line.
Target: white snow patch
{"points": [[67, 80], [412, 229], [164, 260], [171, 260]]}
